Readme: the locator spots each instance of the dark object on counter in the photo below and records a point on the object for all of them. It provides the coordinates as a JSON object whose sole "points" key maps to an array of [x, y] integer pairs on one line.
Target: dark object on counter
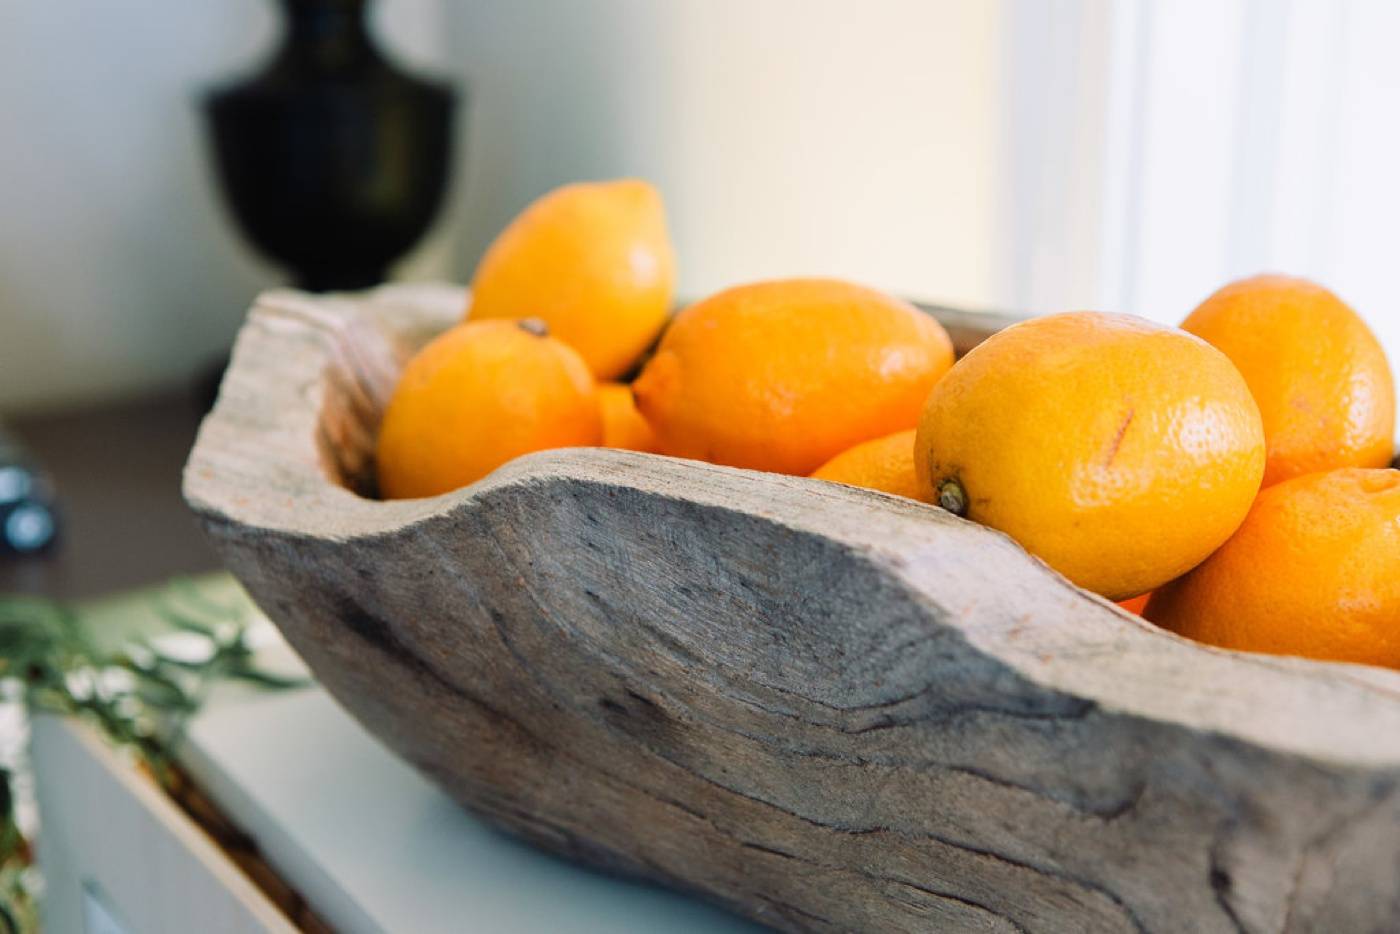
{"points": [[28, 510], [333, 161], [123, 523]]}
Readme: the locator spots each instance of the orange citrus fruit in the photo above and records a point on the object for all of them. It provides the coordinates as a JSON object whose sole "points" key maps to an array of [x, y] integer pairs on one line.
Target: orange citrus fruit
{"points": [[623, 425], [1118, 451], [1135, 605], [1318, 373], [885, 464], [477, 396], [1314, 570], [784, 375], [594, 261]]}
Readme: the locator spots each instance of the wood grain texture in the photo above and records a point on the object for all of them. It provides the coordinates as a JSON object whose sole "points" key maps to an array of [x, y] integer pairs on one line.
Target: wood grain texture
{"points": [[827, 708]]}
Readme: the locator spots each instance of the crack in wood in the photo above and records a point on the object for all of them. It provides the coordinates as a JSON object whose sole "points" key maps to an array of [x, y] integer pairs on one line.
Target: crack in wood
{"points": [[1107, 814], [789, 911], [940, 894], [961, 900], [1219, 877]]}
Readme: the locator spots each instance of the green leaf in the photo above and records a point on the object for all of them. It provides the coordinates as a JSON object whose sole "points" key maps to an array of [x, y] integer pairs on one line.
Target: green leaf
{"points": [[187, 623], [42, 643], [268, 679], [164, 695], [8, 919]]}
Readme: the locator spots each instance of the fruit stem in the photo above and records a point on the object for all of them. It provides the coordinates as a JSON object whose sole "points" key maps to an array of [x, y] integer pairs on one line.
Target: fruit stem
{"points": [[952, 497], [535, 326]]}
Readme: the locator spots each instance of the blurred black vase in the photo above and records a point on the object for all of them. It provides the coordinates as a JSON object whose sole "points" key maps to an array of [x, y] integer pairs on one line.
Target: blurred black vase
{"points": [[333, 160]]}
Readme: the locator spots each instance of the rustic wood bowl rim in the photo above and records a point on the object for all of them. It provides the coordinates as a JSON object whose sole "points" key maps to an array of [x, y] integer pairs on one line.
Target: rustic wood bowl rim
{"points": [[1329, 712]]}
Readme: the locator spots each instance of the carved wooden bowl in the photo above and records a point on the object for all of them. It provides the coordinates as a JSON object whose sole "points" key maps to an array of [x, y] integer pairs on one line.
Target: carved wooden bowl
{"points": [[826, 708]]}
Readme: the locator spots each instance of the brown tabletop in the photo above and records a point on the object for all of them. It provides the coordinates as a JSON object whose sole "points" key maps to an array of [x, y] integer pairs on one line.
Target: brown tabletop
{"points": [[117, 471]]}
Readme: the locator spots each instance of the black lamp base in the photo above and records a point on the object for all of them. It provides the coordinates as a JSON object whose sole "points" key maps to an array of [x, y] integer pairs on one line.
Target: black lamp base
{"points": [[332, 160]]}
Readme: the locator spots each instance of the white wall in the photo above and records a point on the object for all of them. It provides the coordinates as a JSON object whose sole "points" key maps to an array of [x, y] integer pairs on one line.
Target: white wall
{"points": [[1035, 154], [118, 271], [1205, 140], [788, 136]]}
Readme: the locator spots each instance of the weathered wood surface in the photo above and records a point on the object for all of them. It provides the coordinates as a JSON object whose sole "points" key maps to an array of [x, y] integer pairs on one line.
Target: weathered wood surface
{"points": [[826, 708], [967, 329]]}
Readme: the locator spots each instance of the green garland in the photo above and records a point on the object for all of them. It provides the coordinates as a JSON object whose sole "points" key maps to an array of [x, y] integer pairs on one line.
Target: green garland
{"points": [[139, 696]]}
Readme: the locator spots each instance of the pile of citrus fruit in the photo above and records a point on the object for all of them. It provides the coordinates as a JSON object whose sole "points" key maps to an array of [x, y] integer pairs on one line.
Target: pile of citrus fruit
{"points": [[1229, 479]]}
